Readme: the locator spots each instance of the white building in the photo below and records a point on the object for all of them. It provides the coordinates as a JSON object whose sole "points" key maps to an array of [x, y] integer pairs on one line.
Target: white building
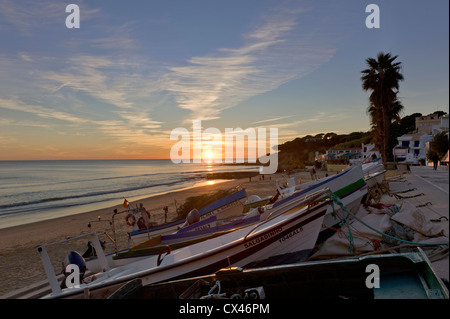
{"points": [[412, 147]]}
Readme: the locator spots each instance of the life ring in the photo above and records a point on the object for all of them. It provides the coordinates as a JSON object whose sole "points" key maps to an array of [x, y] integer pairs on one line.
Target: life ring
{"points": [[131, 220], [165, 249]]}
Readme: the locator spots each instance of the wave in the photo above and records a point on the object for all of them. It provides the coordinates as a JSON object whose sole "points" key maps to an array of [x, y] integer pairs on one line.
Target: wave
{"points": [[94, 194], [100, 179]]}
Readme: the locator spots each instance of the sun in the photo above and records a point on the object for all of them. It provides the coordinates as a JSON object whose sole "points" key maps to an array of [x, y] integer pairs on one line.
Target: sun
{"points": [[208, 155]]}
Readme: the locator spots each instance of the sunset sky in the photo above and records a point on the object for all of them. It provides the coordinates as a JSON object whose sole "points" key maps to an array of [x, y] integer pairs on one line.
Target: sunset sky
{"points": [[136, 70]]}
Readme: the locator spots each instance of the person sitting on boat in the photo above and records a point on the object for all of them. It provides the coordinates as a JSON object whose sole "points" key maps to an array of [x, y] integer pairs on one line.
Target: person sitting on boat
{"points": [[141, 222], [146, 215], [90, 252]]}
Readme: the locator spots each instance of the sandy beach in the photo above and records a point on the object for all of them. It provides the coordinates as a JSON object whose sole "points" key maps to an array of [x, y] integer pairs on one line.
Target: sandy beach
{"points": [[20, 263]]}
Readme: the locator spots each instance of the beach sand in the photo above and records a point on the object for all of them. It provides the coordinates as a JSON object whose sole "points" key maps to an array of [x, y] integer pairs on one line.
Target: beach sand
{"points": [[20, 264]]}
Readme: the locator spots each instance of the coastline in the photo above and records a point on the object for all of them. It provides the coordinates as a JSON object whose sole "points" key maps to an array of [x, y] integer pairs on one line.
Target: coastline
{"points": [[21, 264]]}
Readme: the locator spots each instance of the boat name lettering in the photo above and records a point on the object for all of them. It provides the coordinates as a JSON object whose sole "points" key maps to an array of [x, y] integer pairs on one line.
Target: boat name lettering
{"points": [[218, 210], [291, 234], [262, 238], [202, 227]]}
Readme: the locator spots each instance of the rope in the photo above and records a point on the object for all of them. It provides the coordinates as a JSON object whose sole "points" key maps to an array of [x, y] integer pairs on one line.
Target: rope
{"points": [[351, 247], [217, 295], [409, 190], [404, 197], [375, 243], [339, 202], [424, 205]]}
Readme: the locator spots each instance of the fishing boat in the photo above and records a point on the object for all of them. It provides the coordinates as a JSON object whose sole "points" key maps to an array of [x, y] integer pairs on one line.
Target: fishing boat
{"points": [[375, 179], [400, 276], [372, 167], [292, 230], [226, 207], [255, 201], [207, 229], [195, 233], [349, 186]]}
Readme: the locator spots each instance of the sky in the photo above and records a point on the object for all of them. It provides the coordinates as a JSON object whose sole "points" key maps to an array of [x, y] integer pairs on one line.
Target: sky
{"points": [[134, 71]]}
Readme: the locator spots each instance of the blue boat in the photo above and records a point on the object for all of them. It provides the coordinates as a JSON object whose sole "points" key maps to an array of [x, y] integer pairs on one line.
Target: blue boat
{"points": [[225, 207]]}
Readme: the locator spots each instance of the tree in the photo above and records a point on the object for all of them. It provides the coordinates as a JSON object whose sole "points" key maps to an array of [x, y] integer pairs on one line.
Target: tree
{"points": [[382, 79], [439, 145]]}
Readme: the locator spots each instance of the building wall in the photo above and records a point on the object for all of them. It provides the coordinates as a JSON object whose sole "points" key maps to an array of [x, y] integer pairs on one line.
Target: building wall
{"points": [[424, 124], [417, 143]]}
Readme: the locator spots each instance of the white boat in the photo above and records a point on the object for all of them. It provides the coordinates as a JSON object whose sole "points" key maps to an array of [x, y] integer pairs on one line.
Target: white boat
{"points": [[200, 231], [286, 231], [349, 186], [226, 207], [372, 167], [375, 179], [254, 201]]}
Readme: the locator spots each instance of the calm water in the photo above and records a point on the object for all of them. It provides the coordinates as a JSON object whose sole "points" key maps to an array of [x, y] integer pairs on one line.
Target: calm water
{"points": [[37, 190]]}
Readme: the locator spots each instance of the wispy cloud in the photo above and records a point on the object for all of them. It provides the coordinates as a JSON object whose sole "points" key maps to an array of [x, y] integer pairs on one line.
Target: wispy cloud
{"points": [[118, 38], [269, 57], [40, 111], [24, 56], [273, 119]]}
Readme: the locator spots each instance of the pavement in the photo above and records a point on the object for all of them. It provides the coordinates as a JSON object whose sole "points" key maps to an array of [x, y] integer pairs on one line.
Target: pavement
{"points": [[434, 185], [432, 188]]}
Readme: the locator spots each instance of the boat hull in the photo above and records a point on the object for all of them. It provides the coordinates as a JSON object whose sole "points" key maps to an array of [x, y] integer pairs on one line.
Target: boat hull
{"points": [[349, 186], [335, 279], [296, 230], [375, 178]]}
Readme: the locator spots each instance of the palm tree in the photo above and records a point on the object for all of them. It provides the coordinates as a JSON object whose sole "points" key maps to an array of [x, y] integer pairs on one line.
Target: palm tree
{"points": [[377, 125], [382, 78]]}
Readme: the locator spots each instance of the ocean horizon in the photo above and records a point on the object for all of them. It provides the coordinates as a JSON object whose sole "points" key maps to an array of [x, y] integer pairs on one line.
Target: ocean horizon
{"points": [[35, 190]]}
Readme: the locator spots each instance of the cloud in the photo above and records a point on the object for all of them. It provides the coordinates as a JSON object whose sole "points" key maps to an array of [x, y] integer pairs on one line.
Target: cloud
{"points": [[24, 56], [273, 119], [43, 112], [269, 57], [100, 77], [12, 122], [119, 39]]}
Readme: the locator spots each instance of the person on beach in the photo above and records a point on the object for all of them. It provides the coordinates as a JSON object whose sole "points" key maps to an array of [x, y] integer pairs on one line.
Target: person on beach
{"points": [[435, 159], [144, 220], [166, 210], [313, 174]]}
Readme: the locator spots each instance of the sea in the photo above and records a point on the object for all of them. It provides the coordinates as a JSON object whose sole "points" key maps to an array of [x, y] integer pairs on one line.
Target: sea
{"points": [[33, 191]]}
